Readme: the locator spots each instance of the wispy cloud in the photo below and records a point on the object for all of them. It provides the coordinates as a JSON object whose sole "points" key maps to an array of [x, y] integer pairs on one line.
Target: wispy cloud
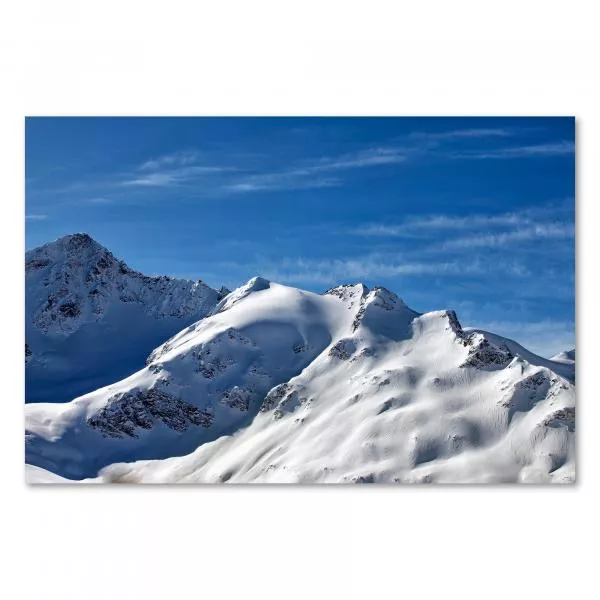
{"points": [[281, 182], [548, 214], [370, 157], [175, 176], [440, 222], [309, 173], [234, 173], [36, 217], [373, 267], [175, 159], [458, 134], [536, 232], [151, 180], [561, 148], [417, 145]]}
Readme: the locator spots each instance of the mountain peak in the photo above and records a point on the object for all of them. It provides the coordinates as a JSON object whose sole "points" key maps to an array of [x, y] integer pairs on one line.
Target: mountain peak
{"points": [[349, 292], [79, 238], [383, 297], [75, 241], [256, 284], [567, 356]]}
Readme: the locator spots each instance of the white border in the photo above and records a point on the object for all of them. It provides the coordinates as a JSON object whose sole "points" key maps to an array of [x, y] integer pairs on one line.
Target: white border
{"points": [[279, 58]]}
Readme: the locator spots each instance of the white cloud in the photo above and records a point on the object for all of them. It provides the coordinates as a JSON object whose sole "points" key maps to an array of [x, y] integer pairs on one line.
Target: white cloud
{"points": [[331, 271], [36, 217], [441, 222], [182, 158], [152, 180], [170, 177], [540, 150], [458, 134], [259, 183], [535, 232], [418, 225], [307, 174], [365, 158]]}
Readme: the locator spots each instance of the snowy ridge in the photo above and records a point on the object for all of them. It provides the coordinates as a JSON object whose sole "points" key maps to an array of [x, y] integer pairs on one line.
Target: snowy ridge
{"points": [[283, 385], [81, 301], [208, 380]]}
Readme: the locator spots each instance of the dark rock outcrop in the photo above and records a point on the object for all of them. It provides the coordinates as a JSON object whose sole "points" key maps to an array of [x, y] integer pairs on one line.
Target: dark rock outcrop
{"points": [[126, 414]]}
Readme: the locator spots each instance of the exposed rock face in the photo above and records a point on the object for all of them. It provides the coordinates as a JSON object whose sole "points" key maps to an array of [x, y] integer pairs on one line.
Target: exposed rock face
{"points": [[564, 417], [275, 396], [454, 323], [223, 291], [482, 353], [349, 294], [282, 399], [237, 397], [126, 414], [343, 349]]}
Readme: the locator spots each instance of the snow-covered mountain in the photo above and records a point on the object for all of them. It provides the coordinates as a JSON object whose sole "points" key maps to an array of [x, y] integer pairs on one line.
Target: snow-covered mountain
{"points": [[567, 356], [91, 320], [283, 385]]}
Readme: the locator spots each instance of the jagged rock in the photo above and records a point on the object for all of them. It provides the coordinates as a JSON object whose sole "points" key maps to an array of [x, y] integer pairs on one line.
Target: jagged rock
{"points": [[343, 349], [126, 413], [223, 291], [349, 293], [565, 417], [70, 309], [483, 353], [533, 381], [237, 397], [34, 264], [454, 323], [274, 396]]}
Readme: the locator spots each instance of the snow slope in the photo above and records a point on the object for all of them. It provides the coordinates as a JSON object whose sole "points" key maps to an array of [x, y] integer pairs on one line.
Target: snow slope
{"points": [[281, 385], [91, 320], [207, 381]]}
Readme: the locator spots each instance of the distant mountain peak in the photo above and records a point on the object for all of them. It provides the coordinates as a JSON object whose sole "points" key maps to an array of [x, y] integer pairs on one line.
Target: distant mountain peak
{"points": [[567, 356], [79, 239]]}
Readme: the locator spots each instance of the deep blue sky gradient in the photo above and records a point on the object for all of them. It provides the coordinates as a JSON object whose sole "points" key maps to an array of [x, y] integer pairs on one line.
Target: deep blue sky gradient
{"points": [[475, 214]]}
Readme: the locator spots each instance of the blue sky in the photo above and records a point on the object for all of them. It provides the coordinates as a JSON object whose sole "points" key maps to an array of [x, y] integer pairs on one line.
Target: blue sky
{"points": [[475, 214]]}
